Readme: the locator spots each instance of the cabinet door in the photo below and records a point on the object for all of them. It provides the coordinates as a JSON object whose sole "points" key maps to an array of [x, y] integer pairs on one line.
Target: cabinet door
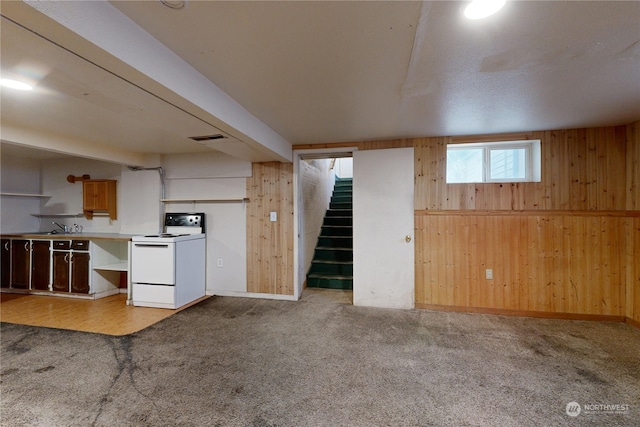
{"points": [[60, 281], [89, 195], [20, 264], [5, 268], [40, 262], [99, 195], [80, 272], [96, 195]]}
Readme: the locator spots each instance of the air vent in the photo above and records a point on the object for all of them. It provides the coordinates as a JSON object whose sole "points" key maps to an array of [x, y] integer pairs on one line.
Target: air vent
{"points": [[208, 137]]}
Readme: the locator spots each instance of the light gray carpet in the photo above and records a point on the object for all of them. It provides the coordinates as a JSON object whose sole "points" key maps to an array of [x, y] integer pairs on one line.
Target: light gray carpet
{"points": [[323, 362]]}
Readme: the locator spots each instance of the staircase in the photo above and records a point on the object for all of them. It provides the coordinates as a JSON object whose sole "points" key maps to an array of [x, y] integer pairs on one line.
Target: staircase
{"points": [[332, 265]]}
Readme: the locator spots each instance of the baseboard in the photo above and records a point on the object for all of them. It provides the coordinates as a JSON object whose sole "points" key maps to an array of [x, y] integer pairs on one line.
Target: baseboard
{"points": [[108, 293], [524, 313], [632, 322]]}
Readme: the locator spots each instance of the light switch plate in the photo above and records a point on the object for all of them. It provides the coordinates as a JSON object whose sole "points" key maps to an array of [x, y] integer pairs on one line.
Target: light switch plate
{"points": [[273, 216]]}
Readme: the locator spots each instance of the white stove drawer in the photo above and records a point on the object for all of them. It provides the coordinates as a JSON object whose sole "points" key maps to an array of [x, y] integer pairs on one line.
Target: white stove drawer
{"points": [[153, 263], [154, 296]]}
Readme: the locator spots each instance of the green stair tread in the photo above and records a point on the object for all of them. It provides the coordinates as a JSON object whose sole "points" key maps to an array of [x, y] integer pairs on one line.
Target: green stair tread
{"points": [[328, 277], [340, 213], [327, 261], [332, 248], [324, 283]]}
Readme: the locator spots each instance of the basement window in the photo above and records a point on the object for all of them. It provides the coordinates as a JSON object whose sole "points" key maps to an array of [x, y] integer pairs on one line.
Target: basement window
{"points": [[505, 161]]}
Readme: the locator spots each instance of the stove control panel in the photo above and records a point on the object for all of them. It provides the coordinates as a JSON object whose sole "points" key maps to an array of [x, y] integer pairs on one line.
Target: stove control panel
{"points": [[184, 220]]}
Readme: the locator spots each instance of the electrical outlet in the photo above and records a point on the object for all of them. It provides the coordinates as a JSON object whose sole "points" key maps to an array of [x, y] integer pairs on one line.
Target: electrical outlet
{"points": [[488, 273], [220, 263]]}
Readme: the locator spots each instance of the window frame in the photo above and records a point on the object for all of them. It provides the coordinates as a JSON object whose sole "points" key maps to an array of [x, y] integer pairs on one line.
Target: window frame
{"points": [[532, 159]]}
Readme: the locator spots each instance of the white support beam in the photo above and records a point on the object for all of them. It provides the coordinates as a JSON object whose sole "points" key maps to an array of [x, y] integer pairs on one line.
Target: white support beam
{"points": [[167, 75]]}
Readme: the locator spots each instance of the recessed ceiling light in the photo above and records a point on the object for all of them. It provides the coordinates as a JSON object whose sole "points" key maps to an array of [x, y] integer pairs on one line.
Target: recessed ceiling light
{"points": [[15, 84], [479, 9]]}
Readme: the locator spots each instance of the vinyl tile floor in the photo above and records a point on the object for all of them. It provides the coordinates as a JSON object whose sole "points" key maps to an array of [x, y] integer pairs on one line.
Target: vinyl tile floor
{"points": [[110, 315]]}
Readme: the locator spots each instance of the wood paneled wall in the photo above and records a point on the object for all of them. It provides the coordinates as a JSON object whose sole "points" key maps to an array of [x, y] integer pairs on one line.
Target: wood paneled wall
{"points": [[541, 263], [270, 244], [581, 170], [633, 232], [633, 271], [567, 244], [633, 166]]}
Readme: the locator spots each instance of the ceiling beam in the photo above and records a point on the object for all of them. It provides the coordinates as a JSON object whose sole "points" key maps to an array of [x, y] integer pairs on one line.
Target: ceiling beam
{"points": [[57, 144], [130, 52]]}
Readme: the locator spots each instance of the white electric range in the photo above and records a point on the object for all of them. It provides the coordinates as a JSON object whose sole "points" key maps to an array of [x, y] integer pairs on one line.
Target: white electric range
{"points": [[168, 269]]}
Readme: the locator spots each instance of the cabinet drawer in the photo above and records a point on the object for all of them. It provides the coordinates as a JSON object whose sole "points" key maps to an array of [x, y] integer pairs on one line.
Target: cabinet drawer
{"points": [[61, 244], [80, 245], [154, 295]]}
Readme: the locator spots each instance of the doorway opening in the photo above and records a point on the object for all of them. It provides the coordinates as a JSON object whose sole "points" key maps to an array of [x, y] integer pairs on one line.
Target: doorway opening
{"points": [[383, 225], [323, 210]]}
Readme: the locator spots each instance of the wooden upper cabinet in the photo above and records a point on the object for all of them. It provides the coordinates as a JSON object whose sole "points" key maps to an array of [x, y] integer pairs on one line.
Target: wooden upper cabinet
{"points": [[99, 195]]}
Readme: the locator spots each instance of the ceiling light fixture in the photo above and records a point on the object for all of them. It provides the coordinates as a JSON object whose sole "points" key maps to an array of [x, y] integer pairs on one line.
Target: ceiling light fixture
{"points": [[207, 137], [174, 4], [15, 84], [479, 9]]}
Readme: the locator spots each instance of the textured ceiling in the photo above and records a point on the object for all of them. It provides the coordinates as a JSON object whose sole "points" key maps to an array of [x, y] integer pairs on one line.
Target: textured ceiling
{"points": [[333, 71]]}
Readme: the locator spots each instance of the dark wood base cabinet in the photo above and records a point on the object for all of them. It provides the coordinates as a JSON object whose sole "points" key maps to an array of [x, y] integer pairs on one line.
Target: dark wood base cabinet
{"points": [[40, 262], [20, 263], [5, 268], [71, 267], [43, 265], [61, 271], [80, 272]]}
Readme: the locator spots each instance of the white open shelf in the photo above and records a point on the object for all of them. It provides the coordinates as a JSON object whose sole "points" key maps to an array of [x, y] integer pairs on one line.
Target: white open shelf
{"points": [[119, 266], [23, 195], [110, 255], [240, 199], [58, 215]]}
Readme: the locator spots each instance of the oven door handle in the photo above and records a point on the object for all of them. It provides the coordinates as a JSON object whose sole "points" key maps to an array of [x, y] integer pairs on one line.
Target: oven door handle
{"points": [[150, 245]]}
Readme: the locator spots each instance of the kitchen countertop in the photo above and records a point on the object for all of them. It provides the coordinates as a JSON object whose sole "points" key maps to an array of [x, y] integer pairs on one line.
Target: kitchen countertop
{"points": [[72, 236]]}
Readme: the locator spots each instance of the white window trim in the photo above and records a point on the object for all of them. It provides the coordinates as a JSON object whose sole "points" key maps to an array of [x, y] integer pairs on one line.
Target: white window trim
{"points": [[533, 165]]}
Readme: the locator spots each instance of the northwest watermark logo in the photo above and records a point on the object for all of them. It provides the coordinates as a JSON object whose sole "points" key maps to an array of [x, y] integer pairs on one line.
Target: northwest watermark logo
{"points": [[573, 409]]}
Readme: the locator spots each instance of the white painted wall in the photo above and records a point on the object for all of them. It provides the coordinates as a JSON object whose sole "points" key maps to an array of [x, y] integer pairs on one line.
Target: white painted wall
{"points": [[214, 176], [66, 197], [344, 167], [208, 175], [19, 175], [139, 201]]}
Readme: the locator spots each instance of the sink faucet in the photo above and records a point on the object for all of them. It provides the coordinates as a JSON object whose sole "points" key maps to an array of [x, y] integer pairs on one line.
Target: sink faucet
{"points": [[62, 227]]}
